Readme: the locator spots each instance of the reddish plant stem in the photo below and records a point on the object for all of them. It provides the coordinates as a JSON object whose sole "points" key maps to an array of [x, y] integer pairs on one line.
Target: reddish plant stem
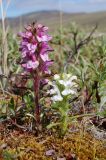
{"points": [[36, 91]]}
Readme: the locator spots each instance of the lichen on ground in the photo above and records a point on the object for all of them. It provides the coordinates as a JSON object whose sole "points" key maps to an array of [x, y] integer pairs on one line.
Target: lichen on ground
{"points": [[24, 146]]}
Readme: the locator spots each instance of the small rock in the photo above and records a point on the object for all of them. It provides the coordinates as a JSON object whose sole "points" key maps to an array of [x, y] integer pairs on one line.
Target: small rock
{"points": [[61, 158], [50, 152], [3, 146]]}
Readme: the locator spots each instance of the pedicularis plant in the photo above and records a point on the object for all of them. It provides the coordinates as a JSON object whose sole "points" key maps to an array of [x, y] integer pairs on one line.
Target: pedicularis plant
{"points": [[34, 50], [63, 88]]}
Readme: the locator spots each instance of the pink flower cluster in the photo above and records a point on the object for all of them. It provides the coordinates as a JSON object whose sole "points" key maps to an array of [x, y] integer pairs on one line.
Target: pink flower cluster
{"points": [[34, 48]]}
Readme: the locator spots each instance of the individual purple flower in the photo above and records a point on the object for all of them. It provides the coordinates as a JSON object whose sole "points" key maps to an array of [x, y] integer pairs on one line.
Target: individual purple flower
{"points": [[30, 65], [31, 47], [45, 67], [45, 49], [26, 34], [42, 35]]}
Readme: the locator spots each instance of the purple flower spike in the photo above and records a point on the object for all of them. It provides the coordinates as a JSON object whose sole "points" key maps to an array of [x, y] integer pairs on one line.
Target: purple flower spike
{"points": [[34, 48]]}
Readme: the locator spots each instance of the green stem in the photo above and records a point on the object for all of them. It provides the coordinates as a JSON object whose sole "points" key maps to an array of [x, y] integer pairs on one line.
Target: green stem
{"points": [[83, 115]]}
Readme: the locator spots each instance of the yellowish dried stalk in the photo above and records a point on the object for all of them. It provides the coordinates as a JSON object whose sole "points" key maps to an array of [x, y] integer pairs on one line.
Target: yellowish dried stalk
{"points": [[4, 57], [61, 20]]}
